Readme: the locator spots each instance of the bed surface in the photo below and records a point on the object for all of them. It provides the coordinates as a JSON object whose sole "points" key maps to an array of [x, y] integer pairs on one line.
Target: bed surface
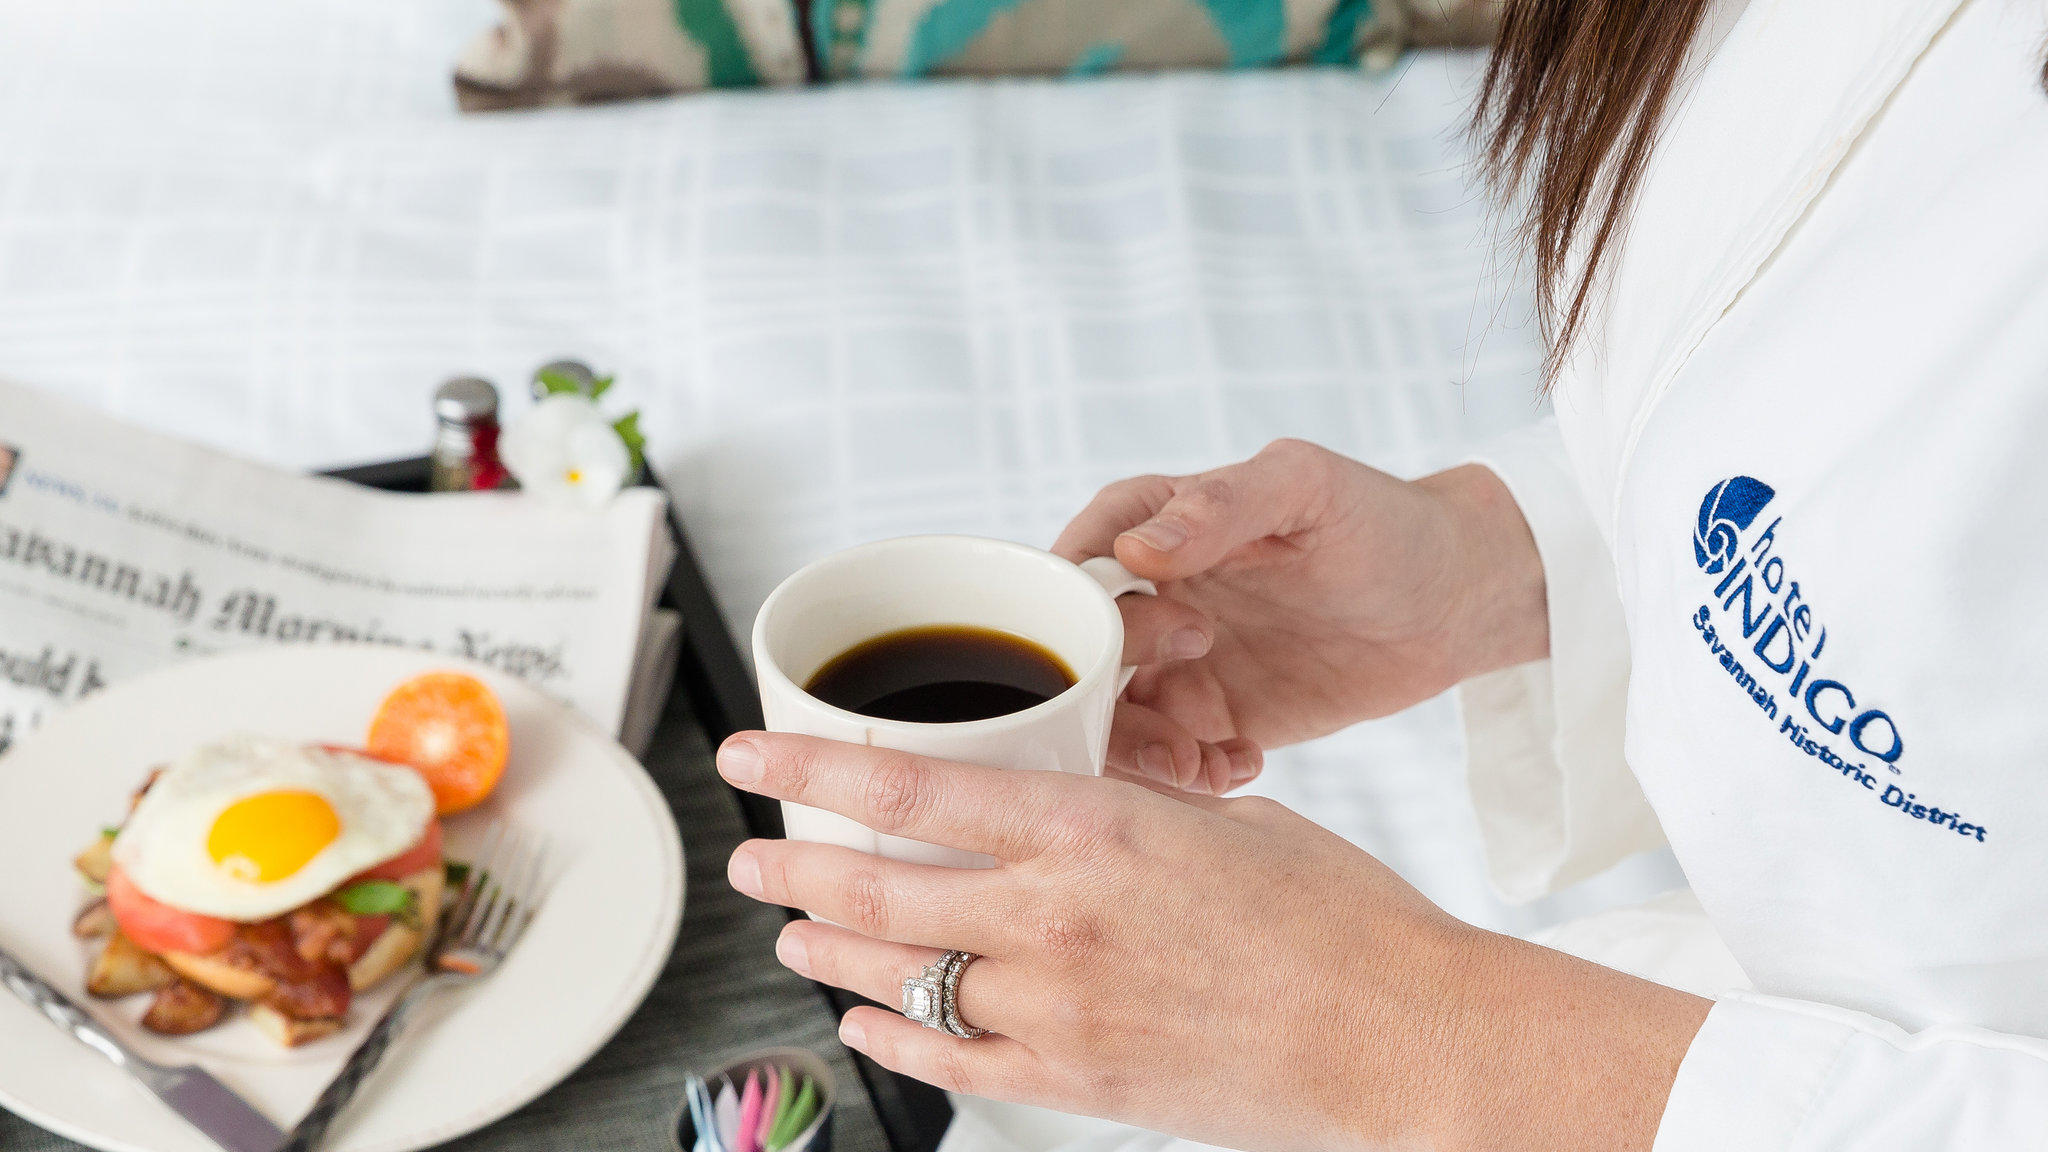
{"points": [[846, 312]]}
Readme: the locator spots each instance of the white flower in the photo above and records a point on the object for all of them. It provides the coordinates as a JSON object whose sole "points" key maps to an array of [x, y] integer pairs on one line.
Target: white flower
{"points": [[564, 449]]}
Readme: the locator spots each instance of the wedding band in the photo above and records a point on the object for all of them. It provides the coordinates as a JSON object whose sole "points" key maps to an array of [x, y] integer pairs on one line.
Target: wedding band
{"points": [[932, 998], [955, 1025]]}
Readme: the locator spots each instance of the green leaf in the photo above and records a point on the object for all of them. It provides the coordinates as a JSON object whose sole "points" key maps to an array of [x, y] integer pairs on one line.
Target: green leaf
{"points": [[375, 898], [600, 386], [628, 428], [557, 383], [110, 831]]}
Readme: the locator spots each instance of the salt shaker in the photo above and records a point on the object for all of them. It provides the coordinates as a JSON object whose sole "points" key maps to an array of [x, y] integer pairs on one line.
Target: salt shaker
{"points": [[465, 455], [575, 370]]}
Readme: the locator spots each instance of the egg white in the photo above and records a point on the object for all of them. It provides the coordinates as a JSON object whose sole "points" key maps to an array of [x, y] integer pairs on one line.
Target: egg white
{"points": [[383, 808]]}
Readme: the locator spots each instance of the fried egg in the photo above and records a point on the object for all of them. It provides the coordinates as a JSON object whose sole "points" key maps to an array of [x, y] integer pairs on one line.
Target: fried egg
{"points": [[250, 828]]}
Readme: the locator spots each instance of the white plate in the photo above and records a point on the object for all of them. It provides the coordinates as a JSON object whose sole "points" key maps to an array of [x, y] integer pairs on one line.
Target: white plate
{"points": [[602, 935]]}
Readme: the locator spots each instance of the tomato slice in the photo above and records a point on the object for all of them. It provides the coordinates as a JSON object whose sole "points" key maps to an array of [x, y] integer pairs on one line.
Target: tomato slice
{"points": [[421, 856], [368, 928], [158, 927]]}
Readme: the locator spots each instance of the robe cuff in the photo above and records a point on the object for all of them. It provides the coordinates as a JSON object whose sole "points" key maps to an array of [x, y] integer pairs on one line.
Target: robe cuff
{"points": [[1555, 797]]}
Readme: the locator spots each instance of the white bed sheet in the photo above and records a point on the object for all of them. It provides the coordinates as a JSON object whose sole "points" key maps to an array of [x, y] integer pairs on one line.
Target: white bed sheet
{"points": [[846, 312]]}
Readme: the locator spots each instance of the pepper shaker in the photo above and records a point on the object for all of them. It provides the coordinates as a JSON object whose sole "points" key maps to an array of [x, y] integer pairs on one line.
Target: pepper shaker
{"points": [[465, 453]]}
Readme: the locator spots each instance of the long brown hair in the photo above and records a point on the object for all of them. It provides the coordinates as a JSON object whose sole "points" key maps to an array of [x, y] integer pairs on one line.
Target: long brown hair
{"points": [[1567, 116], [1572, 102]]}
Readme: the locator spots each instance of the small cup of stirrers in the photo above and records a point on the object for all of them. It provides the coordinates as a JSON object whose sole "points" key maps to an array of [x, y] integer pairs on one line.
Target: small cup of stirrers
{"points": [[776, 1100]]}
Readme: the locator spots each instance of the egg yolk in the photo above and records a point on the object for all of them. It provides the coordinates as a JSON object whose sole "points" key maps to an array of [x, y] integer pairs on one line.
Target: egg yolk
{"points": [[270, 835]]}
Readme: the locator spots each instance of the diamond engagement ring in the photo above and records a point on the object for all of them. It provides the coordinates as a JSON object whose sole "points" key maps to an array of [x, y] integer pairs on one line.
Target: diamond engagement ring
{"points": [[933, 997]]}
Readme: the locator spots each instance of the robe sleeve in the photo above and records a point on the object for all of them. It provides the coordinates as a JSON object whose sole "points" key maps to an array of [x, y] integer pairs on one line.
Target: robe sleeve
{"points": [[1773, 1075], [1556, 800]]}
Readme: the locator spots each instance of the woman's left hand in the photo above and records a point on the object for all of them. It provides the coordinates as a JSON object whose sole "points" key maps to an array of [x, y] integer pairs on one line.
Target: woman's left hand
{"points": [[1221, 969]]}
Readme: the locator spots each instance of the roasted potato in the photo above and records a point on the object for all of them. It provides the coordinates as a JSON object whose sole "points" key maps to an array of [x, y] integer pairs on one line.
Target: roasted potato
{"points": [[290, 1032], [96, 860], [182, 1008], [123, 969], [93, 921]]}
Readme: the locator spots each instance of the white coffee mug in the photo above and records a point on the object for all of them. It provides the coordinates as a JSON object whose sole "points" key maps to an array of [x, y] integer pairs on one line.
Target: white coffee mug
{"points": [[915, 581]]}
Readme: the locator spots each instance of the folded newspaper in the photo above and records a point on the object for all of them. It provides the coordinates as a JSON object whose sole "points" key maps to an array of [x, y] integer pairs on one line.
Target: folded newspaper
{"points": [[122, 550]]}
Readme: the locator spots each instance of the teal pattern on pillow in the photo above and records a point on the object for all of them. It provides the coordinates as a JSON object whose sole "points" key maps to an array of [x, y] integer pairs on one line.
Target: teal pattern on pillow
{"points": [[1340, 41], [726, 58], [904, 38], [1256, 30], [582, 51], [1099, 58]]}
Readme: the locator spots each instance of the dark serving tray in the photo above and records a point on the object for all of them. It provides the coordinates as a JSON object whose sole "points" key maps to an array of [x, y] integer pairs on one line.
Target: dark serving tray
{"points": [[713, 686]]}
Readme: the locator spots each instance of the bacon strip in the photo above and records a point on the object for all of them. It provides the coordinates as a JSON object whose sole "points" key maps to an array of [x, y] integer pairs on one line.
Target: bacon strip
{"points": [[306, 989], [324, 930]]}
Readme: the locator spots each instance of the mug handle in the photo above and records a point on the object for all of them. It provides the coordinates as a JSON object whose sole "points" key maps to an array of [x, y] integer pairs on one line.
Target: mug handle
{"points": [[1117, 580]]}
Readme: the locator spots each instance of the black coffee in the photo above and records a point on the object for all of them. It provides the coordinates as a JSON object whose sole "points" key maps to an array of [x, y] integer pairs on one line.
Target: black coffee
{"points": [[941, 674]]}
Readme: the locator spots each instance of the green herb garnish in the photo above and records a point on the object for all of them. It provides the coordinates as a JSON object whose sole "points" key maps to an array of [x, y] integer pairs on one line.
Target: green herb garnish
{"points": [[375, 898]]}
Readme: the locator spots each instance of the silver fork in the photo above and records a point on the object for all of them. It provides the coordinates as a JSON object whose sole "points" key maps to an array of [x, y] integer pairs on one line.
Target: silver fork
{"points": [[473, 935]]}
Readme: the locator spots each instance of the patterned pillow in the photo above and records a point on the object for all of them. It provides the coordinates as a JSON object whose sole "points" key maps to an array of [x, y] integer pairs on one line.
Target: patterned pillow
{"points": [[577, 51], [574, 51], [888, 38]]}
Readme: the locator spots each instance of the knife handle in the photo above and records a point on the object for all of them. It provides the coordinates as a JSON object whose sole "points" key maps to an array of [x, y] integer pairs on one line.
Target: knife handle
{"points": [[40, 995]]}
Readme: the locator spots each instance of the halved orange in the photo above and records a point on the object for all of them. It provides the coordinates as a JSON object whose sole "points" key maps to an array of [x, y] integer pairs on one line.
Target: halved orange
{"points": [[451, 728]]}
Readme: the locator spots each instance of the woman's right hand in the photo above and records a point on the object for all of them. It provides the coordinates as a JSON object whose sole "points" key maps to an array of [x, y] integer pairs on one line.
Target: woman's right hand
{"points": [[1300, 592]]}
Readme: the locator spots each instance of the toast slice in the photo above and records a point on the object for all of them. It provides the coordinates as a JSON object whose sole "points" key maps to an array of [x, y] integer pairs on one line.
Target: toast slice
{"points": [[217, 975], [290, 1031]]}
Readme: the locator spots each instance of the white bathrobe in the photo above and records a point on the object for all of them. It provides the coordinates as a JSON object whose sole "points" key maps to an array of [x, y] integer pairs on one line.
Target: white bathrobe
{"points": [[1794, 514]]}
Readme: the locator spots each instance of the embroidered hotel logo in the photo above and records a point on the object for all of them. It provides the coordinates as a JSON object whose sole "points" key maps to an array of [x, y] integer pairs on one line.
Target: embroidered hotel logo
{"points": [[1730, 507], [1780, 649]]}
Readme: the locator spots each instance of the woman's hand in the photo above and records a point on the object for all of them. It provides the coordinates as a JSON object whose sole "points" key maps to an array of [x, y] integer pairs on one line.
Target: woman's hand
{"points": [[1220, 969], [1301, 591]]}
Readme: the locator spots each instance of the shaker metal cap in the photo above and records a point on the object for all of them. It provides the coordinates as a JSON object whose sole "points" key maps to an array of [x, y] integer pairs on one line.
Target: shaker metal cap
{"points": [[466, 400], [575, 370]]}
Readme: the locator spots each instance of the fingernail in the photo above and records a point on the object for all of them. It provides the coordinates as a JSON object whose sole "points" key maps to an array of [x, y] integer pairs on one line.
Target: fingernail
{"points": [[1243, 766], [1163, 535], [1206, 776], [851, 1033], [1156, 761], [744, 872], [740, 762], [1186, 644], [789, 949]]}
